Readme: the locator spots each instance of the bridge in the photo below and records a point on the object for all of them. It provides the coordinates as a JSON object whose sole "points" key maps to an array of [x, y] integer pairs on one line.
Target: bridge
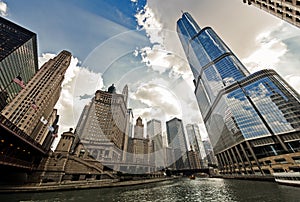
{"points": [[188, 172], [17, 149]]}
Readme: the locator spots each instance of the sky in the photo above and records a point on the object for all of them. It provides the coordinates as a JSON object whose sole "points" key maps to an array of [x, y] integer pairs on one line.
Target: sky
{"points": [[134, 42]]}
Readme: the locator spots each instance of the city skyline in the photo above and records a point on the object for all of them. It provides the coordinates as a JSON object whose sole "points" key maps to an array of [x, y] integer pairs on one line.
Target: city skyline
{"points": [[151, 97], [156, 49]]}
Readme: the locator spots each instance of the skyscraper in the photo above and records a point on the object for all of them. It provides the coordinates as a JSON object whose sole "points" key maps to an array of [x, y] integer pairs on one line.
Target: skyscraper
{"points": [[287, 10], [154, 132], [102, 126], [253, 121], [177, 142], [32, 109], [194, 137], [141, 147], [210, 156], [18, 57]]}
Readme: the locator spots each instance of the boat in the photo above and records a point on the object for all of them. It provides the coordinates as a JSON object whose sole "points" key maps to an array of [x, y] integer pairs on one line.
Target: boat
{"points": [[289, 178], [192, 177]]}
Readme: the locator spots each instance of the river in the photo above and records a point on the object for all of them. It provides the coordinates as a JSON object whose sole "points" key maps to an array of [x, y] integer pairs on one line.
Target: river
{"points": [[180, 190]]}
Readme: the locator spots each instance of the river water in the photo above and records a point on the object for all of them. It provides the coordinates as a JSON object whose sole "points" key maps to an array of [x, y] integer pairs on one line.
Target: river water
{"points": [[180, 190]]}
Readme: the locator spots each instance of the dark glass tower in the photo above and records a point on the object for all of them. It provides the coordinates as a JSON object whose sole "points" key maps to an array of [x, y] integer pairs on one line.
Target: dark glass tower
{"points": [[18, 57], [253, 121], [177, 141]]}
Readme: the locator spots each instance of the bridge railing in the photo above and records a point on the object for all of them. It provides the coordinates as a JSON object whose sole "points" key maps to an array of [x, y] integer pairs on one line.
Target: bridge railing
{"points": [[15, 162]]}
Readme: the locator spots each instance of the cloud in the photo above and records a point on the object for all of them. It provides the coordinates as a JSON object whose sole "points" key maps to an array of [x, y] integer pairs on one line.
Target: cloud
{"points": [[3, 8], [44, 58], [269, 53], [157, 56], [159, 99], [147, 21], [277, 49], [294, 81]]}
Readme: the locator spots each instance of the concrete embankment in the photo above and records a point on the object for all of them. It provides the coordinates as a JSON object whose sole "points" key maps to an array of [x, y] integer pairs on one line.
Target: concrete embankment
{"points": [[269, 178], [72, 185]]}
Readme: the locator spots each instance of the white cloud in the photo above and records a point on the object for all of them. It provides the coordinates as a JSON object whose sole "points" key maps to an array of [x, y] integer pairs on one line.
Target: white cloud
{"points": [[294, 81], [269, 53], [277, 49], [146, 20], [3, 8], [158, 57], [44, 58], [160, 99]]}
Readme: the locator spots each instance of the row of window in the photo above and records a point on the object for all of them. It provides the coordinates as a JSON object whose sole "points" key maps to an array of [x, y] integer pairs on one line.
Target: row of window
{"points": [[287, 178]]}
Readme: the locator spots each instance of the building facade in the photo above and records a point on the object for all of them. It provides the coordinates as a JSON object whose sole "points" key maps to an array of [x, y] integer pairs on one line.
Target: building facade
{"points": [[169, 156], [253, 121], [287, 10], [196, 143], [154, 132], [69, 162], [194, 159], [18, 57], [139, 128], [210, 157], [177, 141], [102, 125], [37, 100], [140, 158]]}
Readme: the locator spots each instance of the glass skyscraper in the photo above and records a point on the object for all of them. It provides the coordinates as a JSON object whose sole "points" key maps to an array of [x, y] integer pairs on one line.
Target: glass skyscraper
{"points": [[177, 141], [253, 120], [195, 140], [18, 57], [154, 132]]}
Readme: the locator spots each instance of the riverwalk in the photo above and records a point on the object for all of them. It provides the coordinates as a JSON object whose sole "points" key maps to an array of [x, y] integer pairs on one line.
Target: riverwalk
{"points": [[73, 185]]}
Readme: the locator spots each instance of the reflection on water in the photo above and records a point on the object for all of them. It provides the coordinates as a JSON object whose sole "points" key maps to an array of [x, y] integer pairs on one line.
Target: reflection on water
{"points": [[206, 189]]}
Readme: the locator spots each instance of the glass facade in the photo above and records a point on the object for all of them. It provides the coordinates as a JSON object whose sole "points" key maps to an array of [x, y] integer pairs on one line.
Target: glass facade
{"points": [[246, 116], [259, 107], [195, 140], [177, 141], [18, 57], [213, 64]]}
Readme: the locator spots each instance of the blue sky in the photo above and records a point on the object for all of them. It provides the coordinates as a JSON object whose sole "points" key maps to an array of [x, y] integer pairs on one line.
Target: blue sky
{"points": [[76, 25], [134, 42]]}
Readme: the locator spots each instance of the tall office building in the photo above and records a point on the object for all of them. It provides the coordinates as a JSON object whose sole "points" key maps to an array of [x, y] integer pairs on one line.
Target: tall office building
{"points": [[140, 146], [253, 121], [36, 101], [139, 128], [18, 57], [102, 126], [196, 143], [194, 159], [169, 156], [287, 10], [154, 128], [210, 158], [177, 142], [154, 132], [128, 131]]}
